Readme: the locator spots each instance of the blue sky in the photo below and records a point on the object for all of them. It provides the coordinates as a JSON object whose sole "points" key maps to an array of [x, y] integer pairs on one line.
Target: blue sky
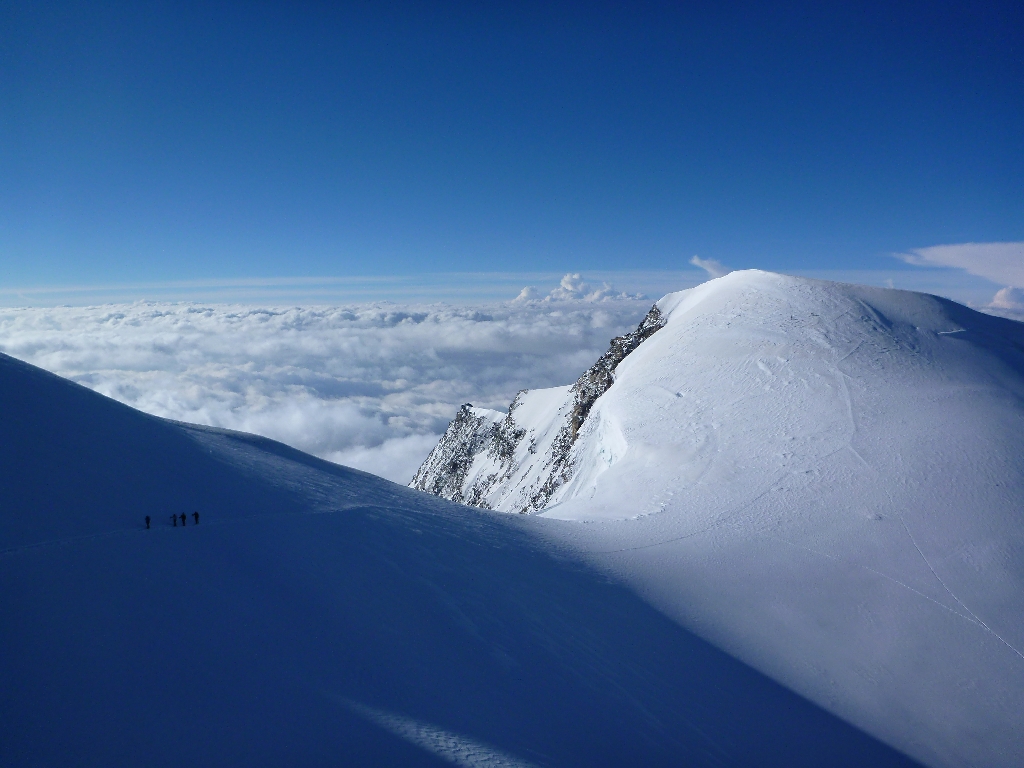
{"points": [[177, 143]]}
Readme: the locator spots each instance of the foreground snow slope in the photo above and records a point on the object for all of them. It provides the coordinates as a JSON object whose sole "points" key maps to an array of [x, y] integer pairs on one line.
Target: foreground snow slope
{"points": [[322, 616], [827, 481]]}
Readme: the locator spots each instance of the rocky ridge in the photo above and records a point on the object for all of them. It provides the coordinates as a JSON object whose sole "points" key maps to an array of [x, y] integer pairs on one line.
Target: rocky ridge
{"points": [[481, 458]]}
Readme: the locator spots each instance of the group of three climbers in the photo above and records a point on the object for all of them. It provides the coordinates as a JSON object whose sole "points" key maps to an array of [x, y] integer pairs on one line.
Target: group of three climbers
{"points": [[174, 519]]}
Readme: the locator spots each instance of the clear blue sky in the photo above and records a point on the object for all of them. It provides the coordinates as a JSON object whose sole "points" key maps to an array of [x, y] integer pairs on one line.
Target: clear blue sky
{"points": [[169, 141]]}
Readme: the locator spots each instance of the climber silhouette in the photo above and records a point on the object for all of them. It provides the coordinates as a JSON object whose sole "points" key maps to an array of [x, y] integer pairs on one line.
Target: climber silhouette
{"points": [[147, 522], [183, 519], [196, 516], [174, 519]]}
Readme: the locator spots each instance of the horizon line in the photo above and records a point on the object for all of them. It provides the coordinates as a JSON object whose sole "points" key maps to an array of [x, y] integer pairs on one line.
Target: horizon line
{"points": [[437, 287]]}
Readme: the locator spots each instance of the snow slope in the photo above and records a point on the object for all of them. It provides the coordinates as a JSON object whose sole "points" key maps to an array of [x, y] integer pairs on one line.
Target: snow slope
{"points": [[827, 481], [322, 616]]}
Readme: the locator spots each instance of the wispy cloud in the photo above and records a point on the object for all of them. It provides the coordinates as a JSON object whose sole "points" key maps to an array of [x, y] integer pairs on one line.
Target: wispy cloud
{"points": [[713, 267], [1001, 263], [368, 385]]}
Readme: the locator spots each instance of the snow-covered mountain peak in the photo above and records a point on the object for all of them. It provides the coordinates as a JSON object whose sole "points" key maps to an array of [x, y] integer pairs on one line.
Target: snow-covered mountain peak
{"points": [[736, 350], [823, 479]]}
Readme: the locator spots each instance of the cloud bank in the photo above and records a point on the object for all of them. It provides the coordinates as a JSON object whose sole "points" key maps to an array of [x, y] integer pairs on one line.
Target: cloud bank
{"points": [[367, 385], [1008, 298], [573, 288]]}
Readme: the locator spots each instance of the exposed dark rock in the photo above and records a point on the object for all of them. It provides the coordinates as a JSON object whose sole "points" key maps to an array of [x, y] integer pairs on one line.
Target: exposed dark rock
{"points": [[505, 438], [444, 471], [596, 381], [588, 387]]}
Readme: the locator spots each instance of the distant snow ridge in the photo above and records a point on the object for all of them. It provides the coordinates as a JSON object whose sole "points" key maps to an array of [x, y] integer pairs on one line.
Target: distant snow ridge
{"points": [[487, 459]]}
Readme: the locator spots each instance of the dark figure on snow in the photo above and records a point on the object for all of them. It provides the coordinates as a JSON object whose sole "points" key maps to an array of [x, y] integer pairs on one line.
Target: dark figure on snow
{"points": [[183, 519], [147, 522], [174, 519], [196, 516]]}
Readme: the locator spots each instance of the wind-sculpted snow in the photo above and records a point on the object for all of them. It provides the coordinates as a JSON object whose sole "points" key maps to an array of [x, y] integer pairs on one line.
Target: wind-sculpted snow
{"points": [[318, 615], [827, 481]]}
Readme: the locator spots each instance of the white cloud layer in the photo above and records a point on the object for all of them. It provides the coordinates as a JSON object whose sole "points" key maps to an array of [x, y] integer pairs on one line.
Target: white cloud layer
{"points": [[367, 385]]}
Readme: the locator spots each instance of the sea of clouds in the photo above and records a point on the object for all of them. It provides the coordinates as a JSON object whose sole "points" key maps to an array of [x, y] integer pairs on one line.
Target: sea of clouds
{"points": [[369, 385], [373, 385]]}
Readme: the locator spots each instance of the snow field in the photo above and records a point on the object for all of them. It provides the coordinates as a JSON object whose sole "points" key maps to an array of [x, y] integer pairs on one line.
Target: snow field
{"points": [[322, 616]]}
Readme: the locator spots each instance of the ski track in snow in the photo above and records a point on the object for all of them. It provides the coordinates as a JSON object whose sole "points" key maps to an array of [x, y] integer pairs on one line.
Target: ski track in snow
{"points": [[971, 619], [731, 517], [454, 748], [975, 619]]}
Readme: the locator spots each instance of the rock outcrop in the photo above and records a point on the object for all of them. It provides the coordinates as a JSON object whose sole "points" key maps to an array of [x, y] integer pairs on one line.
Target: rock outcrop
{"points": [[489, 459], [444, 472]]}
